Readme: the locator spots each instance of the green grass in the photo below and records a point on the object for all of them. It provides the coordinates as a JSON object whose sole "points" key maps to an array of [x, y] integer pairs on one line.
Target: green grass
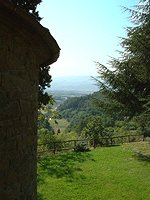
{"points": [[109, 173]]}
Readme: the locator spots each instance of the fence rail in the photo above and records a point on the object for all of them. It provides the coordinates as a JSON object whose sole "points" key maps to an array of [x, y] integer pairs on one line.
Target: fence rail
{"points": [[57, 146]]}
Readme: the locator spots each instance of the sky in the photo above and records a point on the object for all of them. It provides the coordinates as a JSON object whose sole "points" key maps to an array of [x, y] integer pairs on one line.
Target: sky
{"points": [[86, 31]]}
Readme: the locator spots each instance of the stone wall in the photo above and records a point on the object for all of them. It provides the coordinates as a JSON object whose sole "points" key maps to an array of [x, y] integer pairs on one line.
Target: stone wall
{"points": [[19, 68], [18, 112]]}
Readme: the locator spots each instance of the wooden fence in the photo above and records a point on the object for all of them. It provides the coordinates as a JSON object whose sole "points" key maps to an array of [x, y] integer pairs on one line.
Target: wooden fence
{"points": [[57, 146], [72, 145]]}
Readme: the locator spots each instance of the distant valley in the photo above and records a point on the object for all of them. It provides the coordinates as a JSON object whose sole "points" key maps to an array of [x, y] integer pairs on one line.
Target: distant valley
{"points": [[71, 86], [73, 83]]}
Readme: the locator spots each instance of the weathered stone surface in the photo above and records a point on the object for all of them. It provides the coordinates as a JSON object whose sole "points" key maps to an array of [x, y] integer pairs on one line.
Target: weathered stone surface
{"points": [[24, 46]]}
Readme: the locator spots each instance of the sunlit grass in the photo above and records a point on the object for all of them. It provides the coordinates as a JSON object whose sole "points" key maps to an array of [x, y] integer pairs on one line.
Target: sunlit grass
{"points": [[143, 147], [141, 150], [108, 173]]}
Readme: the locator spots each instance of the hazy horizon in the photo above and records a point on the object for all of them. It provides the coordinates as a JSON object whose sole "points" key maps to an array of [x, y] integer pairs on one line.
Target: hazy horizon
{"points": [[73, 83]]}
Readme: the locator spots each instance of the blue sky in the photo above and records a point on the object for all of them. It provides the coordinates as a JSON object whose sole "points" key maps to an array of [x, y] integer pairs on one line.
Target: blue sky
{"points": [[86, 31]]}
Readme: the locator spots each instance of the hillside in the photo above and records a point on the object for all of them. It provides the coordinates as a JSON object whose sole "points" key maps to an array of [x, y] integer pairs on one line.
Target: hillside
{"points": [[78, 110]]}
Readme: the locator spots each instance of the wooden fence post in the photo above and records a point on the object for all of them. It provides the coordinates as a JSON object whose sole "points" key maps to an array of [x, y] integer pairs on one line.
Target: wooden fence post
{"points": [[111, 141], [128, 138], [143, 138], [54, 146], [75, 144]]}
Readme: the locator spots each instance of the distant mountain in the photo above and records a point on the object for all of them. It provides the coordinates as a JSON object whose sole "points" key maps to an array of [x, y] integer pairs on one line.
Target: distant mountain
{"points": [[74, 83]]}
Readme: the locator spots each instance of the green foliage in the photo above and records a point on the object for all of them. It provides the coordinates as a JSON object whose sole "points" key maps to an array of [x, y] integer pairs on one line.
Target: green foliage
{"points": [[61, 125], [110, 109], [45, 136], [112, 121], [78, 122], [127, 127], [45, 113], [48, 126], [43, 122], [44, 82], [146, 133], [81, 147], [144, 118], [77, 104], [45, 130], [94, 129], [78, 110], [63, 136], [128, 80]]}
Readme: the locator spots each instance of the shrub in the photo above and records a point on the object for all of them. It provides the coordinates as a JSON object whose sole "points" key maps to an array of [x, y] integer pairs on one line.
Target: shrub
{"points": [[81, 147]]}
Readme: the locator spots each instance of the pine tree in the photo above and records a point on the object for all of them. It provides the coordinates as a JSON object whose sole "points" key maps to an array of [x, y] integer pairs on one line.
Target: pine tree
{"points": [[129, 81]]}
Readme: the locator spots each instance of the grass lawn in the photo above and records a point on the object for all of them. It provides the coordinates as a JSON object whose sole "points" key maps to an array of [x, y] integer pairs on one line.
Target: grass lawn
{"points": [[108, 173]]}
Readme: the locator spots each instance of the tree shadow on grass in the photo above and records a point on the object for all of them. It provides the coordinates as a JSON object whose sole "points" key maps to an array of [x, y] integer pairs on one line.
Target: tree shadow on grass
{"points": [[62, 166], [40, 196], [143, 157]]}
